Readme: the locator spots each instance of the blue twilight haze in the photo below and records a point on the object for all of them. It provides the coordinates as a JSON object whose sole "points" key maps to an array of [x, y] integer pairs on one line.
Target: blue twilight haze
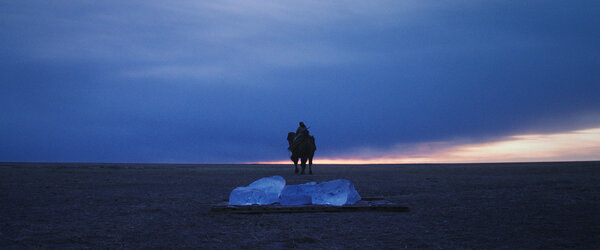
{"points": [[224, 81]]}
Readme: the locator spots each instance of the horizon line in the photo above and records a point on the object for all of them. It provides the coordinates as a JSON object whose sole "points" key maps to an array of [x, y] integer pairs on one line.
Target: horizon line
{"points": [[291, 163]]}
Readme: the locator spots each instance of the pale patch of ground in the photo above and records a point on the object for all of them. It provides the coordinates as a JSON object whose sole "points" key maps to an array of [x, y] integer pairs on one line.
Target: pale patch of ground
{"points": [[529, 205]]}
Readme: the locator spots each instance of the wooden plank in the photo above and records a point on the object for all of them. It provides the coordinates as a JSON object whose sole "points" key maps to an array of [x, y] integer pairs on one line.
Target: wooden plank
{"points": [[372, 198], [361, 199], [362, 206], [308, 209]]}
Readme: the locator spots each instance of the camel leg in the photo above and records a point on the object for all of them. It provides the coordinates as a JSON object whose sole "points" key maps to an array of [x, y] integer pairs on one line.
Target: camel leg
{"points": [[303, 165], [310, 165], [295, 164]]}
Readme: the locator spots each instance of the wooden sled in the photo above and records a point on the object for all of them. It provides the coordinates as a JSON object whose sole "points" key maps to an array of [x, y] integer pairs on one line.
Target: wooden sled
{"points": [[367, 204]]}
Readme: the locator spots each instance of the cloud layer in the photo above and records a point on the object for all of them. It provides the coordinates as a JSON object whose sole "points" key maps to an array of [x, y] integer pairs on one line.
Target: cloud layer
{"points": [[186, 81]]}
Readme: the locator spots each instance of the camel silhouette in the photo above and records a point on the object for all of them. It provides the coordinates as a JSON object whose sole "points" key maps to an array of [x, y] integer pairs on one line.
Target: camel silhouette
{"points": [[303, 149]]}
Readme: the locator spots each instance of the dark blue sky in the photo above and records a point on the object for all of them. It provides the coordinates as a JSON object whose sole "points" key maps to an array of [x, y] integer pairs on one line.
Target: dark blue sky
{"points": [[149, 81]]}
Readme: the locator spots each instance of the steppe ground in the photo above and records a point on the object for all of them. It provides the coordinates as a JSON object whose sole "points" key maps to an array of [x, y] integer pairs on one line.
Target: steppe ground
{"points": [[527, 205]]}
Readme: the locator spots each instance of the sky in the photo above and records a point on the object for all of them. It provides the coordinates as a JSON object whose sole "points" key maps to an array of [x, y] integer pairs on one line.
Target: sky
{"points": [[225, 81]]}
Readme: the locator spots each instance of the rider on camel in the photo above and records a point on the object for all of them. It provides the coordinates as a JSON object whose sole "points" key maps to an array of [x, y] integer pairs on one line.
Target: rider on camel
{"points": [[301, 131]]}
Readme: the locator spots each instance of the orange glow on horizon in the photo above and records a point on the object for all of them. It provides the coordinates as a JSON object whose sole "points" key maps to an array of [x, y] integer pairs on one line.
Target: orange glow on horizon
{"points": [[579, 145]]}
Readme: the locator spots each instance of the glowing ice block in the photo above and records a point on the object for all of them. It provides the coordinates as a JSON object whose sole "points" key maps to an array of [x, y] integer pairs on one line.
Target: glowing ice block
{"points": [[261, 192], [272, 189], [336, 192], [297, 194]]}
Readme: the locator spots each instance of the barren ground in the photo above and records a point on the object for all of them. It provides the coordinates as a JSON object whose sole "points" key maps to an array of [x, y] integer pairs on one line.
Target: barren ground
{"points": [[529, 205]]}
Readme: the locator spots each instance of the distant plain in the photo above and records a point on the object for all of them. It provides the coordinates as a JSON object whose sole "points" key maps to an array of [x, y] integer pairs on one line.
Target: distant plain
{"points": [[516, 205]]}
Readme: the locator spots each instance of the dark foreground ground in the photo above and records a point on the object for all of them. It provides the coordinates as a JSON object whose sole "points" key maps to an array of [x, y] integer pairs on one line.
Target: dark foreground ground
{"points": [[530, 205]]}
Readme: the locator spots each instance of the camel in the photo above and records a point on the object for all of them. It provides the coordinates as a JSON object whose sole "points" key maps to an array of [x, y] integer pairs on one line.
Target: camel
{"points": [[303, 149]]}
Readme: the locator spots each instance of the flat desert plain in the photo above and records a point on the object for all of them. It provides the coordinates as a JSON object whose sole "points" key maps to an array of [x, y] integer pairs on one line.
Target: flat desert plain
{"points": [[517, 205]]}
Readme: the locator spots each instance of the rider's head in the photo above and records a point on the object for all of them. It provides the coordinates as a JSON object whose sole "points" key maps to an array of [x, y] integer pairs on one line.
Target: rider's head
{"points": [[302, 125]]}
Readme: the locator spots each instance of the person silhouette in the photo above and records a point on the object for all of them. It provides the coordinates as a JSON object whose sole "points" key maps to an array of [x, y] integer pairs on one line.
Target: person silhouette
{"points": [[300, 132]]}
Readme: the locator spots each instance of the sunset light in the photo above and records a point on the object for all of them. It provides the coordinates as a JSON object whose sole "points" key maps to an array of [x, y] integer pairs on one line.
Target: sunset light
{"points": [[578, 145]]}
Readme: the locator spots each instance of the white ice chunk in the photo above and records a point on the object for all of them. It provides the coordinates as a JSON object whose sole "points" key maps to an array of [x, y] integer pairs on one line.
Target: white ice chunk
{"points": [[297, 194], [246, 196], [336, 192], [272, 189], [262, 192]]}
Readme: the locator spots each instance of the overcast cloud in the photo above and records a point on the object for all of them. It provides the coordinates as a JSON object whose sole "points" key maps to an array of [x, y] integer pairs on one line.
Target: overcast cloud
{"points": [[188, 81]]}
